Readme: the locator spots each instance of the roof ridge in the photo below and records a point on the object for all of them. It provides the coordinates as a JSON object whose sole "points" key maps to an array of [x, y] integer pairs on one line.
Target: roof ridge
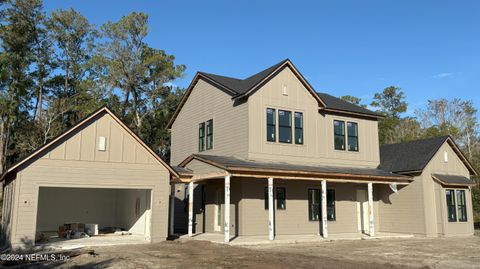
{"points": [[445, 137]]}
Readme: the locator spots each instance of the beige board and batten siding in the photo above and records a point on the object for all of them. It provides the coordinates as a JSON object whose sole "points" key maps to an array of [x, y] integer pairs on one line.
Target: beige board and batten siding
{"points": [[318, 146], [75, 161], [434, 196], [229, 124]]}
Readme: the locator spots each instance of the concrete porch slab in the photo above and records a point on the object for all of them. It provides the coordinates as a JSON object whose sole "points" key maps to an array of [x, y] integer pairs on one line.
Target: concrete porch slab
{"points": [[288, 239], [101, 240]]}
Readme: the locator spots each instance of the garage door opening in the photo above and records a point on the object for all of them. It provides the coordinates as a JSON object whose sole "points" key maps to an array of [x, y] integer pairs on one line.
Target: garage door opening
{"points": [[127, 210]]}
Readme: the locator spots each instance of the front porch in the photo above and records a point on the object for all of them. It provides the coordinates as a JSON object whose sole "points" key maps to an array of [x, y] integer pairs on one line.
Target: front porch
{"points": [[289, 239]]}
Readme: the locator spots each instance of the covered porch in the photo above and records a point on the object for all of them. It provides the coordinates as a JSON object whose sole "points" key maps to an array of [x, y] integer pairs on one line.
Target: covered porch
{"points": [[246, 201]]}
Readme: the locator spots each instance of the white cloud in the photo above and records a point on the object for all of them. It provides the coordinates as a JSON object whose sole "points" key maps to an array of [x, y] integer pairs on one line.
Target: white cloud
{"points": [[443, 75]]}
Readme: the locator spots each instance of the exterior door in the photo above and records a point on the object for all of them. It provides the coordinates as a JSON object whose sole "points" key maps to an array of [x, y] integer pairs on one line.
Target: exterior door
{"points": [[217, 211], [362, 211]]}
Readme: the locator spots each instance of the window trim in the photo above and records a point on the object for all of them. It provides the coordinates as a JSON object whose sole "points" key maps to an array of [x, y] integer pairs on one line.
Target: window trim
{"points": [[298, 128], [280, 126], [333, 204], [320, 204], [277, 200], [310, 204], [201, 137], [464, 206], [350, 136], [274, 124], [454, 205], [339, 135], [209, 145]]}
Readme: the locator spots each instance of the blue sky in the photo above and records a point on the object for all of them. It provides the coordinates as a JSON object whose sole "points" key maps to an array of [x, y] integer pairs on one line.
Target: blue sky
{"points": [[431, 49]]}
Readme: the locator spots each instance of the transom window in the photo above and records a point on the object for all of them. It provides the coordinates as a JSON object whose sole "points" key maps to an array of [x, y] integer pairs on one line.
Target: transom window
{"points": [[287, 132], [205, 135], [345, 140], [456, 205]]}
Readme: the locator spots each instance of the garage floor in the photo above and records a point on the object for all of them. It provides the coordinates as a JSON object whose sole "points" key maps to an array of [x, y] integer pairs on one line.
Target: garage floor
{"points": [[103, 240]]}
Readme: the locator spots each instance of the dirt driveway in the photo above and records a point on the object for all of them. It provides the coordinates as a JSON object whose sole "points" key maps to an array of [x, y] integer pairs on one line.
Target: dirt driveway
{"points": [[395, 253]]}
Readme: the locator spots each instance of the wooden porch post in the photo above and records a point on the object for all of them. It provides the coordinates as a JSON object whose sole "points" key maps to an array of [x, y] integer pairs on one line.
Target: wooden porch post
{"points": [[370, 210], [190, 209], [271, 218], [172, 208], [324, 209], [227, 208]]}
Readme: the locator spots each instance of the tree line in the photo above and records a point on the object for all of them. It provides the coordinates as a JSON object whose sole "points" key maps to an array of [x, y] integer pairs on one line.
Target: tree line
{"points": [[57, 68]]}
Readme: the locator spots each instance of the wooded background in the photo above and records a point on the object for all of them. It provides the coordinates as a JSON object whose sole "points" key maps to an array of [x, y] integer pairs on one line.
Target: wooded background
{"points": [[57, 68]]}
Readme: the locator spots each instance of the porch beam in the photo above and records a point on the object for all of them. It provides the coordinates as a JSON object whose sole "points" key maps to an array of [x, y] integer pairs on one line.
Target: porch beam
{"points": [[271, 218], [227, 209], [324, 209], [172, 208], [190, 209], [370, 210]]}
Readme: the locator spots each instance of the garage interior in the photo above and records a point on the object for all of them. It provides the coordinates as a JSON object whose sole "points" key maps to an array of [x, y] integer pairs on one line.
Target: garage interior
{"points": [[127, 209]]}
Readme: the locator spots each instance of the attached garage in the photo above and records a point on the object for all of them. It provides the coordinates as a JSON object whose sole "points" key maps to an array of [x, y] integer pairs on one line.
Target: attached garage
{"points": [[97, 172]]}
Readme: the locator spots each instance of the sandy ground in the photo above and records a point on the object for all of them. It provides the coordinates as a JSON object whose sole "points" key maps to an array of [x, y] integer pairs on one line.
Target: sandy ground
{"points": [[392, 253]]}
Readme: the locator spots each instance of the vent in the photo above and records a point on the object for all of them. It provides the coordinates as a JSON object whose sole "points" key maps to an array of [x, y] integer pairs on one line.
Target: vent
{"points": [[102, 143]]}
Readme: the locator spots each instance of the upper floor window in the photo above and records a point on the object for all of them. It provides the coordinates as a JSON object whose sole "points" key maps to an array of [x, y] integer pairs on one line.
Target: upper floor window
{"points": [[298, 128], [285, 126], [205, 135], [210, 134], [201, 136], [352, 130], [339, 134], [271, 122]]}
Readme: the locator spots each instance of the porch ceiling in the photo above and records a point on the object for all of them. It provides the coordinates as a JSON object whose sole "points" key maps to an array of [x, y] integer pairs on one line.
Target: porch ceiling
{"points": [[248, 168]]}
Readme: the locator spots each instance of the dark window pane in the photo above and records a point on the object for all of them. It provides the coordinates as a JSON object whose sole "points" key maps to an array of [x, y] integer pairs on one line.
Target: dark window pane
{"points": [[339, 134], [462, 207], [201, 136], [285, 126], [265, 197], [298, 128], [314, 204], [452, 214], [281, 198], [352, 130], [271, 125], [330, 204], [210, 134]]}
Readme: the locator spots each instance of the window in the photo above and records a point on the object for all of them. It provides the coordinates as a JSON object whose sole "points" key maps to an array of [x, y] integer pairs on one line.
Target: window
{"points": [[281, 201], [265, 197], [298, 128], [201, 136], [352, 130], [210, 134], [314, 204], [461, 206], [330, 204], [452, 214], [271, 125], [339, 134], [285, 126]]}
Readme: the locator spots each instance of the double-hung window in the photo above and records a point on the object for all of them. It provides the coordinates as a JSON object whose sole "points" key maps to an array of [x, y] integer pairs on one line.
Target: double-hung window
{"points": [[352, 131], [210, 134], [298, 128], [271, 125], [201, 136], [339, 134], [285, 126], [461, 206], [452, 212], [331, 205], [315, 205], [281, 198]]}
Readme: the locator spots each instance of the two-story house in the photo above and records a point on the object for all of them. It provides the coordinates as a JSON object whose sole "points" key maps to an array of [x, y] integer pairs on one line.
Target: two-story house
{"points": [[268, 155]]}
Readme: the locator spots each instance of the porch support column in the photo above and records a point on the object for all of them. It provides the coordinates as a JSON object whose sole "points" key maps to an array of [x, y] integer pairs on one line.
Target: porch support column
{"points": [[190, 209], [370, 210], [227, 208], [324, 209], [271, 218], [172, 208]]}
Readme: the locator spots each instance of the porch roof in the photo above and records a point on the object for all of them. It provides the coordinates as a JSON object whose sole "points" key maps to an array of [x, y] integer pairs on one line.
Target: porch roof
{"points": [[453, 180], [239, 166]]}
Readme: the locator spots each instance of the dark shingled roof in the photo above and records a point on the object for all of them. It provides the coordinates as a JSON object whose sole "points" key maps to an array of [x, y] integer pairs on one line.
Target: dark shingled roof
{"points": [[339, 104], [453, 179], [231, 163], [409, 156], [240, 86], [182, 170]]}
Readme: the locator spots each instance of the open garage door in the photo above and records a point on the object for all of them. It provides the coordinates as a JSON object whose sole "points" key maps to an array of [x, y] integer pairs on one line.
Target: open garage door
{"points": [[110, 209]]}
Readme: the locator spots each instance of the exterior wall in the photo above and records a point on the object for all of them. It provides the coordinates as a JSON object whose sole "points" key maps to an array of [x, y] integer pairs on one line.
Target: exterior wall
{"points": [[229, 124], [75, 162], [437, 222], [251, 218], [318, 144]]}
